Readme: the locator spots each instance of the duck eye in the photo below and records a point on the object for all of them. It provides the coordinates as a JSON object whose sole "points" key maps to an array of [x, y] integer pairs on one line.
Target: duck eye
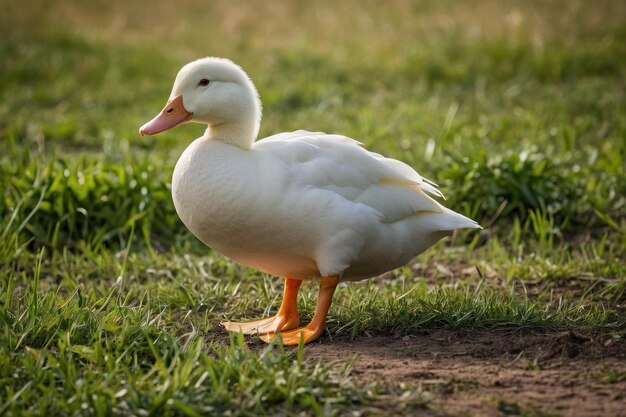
{"points": [[203, 82]]}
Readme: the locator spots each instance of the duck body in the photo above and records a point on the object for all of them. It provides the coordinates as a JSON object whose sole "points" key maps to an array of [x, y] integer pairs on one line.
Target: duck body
{"points": [[301, 205], [308, 205]]}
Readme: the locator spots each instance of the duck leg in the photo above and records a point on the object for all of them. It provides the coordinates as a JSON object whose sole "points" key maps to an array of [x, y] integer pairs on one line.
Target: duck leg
{"points": [[314, 329], [286, 319]]}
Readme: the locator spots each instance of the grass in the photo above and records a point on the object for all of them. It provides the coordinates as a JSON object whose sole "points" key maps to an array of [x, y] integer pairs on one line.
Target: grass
{"points": [[108, 305]]}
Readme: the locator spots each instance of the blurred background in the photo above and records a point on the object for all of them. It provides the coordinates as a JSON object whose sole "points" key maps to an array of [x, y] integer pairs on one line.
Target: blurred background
{"points": [[517, 109], [513, 107]]}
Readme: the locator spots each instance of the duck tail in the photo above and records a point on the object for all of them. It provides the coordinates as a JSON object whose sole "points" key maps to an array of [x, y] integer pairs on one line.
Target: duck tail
{"points": [[452, 220]]}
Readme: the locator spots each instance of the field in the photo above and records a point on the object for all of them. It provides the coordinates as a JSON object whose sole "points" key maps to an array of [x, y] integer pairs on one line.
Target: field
{"points": [[517, 109]]}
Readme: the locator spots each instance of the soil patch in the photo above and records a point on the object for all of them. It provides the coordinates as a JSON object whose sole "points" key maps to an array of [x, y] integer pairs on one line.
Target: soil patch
{"points": [[492, 373]]}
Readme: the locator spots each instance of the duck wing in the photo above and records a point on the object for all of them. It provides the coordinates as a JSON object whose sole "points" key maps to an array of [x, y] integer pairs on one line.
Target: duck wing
{"points": [[342, 166]]}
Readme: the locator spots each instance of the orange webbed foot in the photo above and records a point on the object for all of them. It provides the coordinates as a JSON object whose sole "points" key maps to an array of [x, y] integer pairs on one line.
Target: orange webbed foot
{"points": [[290, 338], [313, 330], [269, 325], [286, 319]]}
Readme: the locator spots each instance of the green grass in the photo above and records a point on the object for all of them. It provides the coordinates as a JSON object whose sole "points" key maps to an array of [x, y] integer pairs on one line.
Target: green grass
{"points": [[107, 303]]}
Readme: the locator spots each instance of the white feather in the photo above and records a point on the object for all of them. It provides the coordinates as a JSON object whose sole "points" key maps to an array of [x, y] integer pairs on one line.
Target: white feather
{"points": [[301, 204]]}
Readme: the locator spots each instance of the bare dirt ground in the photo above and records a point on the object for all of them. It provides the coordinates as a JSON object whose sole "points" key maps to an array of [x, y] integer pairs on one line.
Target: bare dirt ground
{"points": [[491, 373]]}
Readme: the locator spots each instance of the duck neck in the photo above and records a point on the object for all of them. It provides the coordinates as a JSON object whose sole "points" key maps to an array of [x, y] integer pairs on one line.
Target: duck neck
{"points": [[238, 133]]}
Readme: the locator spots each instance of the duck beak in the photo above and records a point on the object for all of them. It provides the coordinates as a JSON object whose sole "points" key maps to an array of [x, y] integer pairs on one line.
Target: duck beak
{"points": [[172, 115]]}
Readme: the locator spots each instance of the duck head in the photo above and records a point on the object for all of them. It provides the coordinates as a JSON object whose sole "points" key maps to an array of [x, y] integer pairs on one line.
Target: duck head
{"points": [[215, 92]]}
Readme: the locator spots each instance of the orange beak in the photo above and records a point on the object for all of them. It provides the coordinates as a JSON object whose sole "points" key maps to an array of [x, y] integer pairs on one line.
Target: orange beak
{"points": [[172, 115]]}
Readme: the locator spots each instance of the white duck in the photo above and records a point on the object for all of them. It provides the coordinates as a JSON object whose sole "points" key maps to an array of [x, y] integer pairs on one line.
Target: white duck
{"points": [[301, 205]]}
